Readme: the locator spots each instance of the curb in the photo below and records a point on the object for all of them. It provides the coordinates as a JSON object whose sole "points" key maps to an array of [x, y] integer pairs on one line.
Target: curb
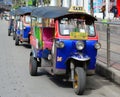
{"points": [[108, 72]]}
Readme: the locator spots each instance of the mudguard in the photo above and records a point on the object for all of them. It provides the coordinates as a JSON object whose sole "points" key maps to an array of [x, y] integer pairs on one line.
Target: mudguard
{"points": [[18, 32], [80, 57]]}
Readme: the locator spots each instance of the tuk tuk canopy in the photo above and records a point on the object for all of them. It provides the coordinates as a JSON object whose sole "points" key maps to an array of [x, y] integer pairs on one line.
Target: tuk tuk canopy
{"points": [[56, 12], [24, 10]]}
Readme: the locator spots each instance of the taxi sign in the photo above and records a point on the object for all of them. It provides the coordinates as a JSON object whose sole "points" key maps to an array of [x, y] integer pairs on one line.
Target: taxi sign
{"points": [[79, 35], [76, 9]]}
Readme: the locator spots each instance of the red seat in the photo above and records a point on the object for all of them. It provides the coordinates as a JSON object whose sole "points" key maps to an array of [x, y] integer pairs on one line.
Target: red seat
{"points": [[48, 34]]}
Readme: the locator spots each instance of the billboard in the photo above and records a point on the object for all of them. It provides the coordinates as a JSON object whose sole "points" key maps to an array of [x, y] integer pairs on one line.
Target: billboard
{"points": [[97, 4]]}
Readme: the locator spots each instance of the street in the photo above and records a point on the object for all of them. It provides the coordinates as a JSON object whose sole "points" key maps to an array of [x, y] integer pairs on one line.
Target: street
{"points": [[15, 80]]}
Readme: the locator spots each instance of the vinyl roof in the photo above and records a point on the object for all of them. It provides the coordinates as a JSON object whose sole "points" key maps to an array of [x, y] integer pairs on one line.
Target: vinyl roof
{"points": [[59, 12], [24, 10]]}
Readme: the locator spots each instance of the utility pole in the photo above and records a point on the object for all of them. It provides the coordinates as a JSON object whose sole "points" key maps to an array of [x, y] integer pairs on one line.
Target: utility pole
{"points": [[26, 2], [91, 7], [15, 2], [41, 2], [73, 2], [83, 3], [107, 8], [53, 3], [66, 3], [21, 3]]}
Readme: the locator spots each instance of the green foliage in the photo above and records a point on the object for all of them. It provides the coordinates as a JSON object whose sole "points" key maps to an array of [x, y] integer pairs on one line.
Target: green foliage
{"points": [[17, 3], [34, 2], [30, 2], [46, 1]]}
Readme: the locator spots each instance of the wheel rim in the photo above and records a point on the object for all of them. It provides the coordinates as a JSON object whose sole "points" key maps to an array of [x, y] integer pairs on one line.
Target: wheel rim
{"points": [[76, 81]]}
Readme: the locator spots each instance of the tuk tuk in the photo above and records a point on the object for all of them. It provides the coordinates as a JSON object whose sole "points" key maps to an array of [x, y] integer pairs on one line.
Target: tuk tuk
{"points": [[23, 24], [11, 22], [16, 19], [64, 42]]}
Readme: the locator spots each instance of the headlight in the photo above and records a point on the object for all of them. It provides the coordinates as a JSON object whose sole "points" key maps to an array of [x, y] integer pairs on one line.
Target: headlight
{"points": [[80, 45], [60, 44], [97, 45]]}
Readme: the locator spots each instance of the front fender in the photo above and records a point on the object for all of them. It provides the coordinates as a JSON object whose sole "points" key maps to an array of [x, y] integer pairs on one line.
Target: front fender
{"points": [[18, 32], [80, 57]]}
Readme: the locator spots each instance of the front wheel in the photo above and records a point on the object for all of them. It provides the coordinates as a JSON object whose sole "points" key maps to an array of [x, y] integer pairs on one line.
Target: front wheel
{"points": [[79, 82], [33, 66]]}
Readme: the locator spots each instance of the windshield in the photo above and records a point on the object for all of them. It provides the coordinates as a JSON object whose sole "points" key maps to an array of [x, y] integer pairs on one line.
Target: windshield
{"points": [[76, 25], [27, 19]]}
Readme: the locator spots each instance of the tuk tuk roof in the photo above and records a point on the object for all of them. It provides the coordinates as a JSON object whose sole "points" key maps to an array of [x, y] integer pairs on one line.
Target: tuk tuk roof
{"points": [[49, 11], [59, 12], [24, 10]]}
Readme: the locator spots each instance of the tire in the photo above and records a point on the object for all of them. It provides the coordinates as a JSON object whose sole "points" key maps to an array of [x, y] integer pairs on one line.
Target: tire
{"points": [[17, 40], [29, 38], [33, 66], [9, 32], [80, 81], [13, 35]]}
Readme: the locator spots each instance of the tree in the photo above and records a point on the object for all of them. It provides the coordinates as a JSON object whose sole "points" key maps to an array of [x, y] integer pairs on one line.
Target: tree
{"points": [[17, 3], [46, 1], [91, 7], [34, 2]]}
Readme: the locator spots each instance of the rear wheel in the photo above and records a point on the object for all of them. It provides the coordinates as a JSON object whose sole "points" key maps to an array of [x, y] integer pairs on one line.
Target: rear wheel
{"points": [[79, 81], [33, 66], [13, 35], [29, 38], [9, 32], [17, 40]]}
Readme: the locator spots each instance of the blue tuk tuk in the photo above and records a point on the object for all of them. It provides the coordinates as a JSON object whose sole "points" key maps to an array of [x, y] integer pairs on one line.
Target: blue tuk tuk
{"points": [[64, 42], [11, 22], [23, 24]]}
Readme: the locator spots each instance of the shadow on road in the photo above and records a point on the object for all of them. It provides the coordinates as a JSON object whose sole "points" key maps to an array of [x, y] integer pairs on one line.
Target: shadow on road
{"points": [[60, 81], [95, 82], [28, 46]]}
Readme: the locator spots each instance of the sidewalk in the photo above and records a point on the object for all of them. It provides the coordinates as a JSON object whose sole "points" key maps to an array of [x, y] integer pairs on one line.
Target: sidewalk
{"points": [[112, 73]]}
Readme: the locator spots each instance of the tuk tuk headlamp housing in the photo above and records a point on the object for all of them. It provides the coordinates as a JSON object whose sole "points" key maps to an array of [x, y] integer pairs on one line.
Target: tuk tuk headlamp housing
{"points": [[80, 45], [97, 45], [60, 44]]}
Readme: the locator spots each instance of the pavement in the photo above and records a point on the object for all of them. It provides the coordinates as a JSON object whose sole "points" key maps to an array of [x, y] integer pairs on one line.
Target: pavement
{"points": [[111, 72]]}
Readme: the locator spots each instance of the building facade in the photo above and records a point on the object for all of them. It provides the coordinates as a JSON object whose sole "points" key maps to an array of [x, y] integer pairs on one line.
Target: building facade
{"points": [[97, 5]]}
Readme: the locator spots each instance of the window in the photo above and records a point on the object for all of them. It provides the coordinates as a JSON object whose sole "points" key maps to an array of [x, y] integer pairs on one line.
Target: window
{"points": [[75, 25], [27, 19]]}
